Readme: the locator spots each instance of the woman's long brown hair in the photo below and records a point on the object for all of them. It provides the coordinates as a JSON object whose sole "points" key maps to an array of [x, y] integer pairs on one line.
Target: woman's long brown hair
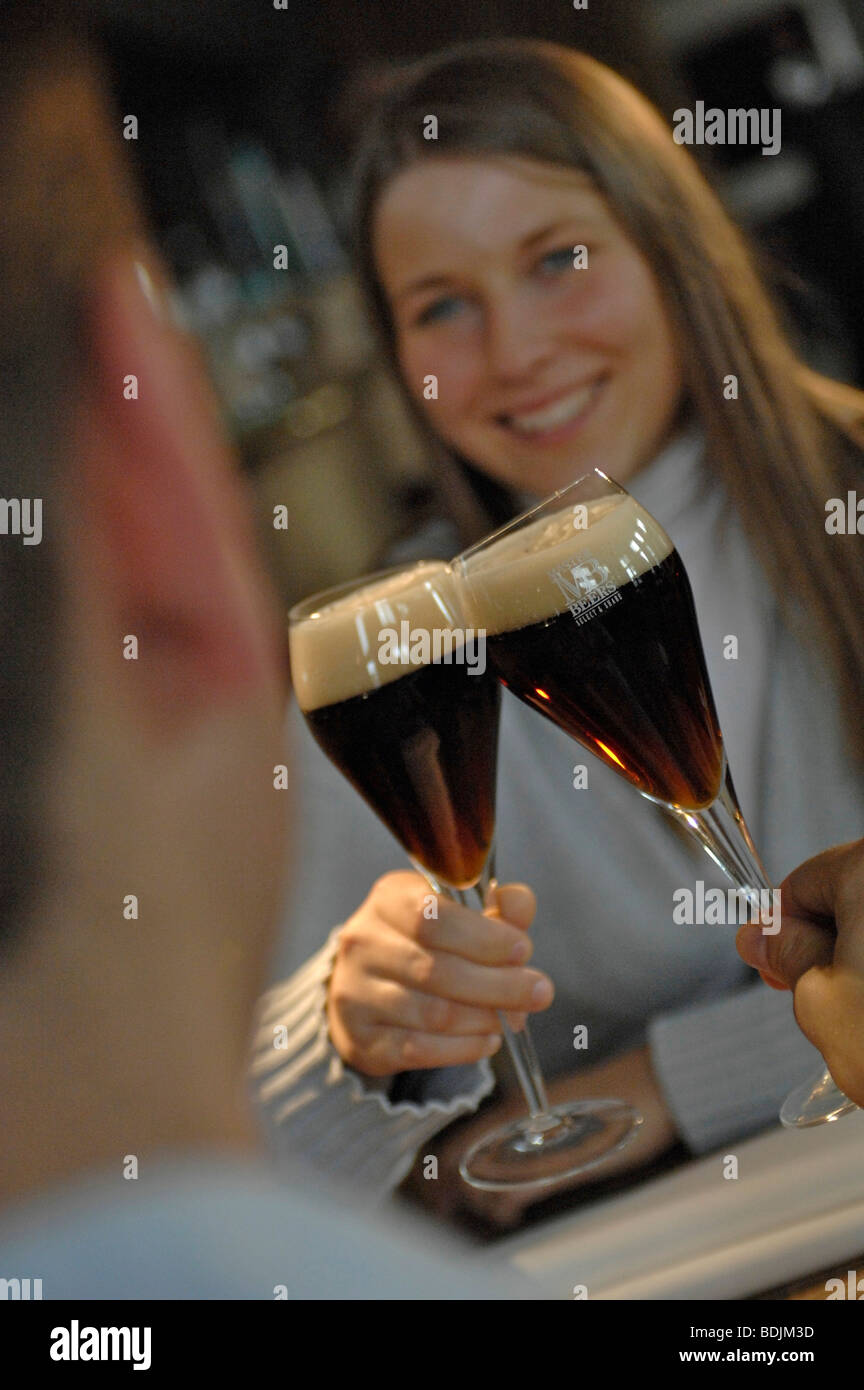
{"points": [[792, 439]]}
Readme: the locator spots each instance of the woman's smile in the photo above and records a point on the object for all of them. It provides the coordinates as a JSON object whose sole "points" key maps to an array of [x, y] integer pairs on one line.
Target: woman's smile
{"points": [[553, 419]]}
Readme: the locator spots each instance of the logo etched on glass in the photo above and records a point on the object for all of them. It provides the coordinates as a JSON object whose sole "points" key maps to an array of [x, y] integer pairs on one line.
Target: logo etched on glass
{"points": [[586, 587]]}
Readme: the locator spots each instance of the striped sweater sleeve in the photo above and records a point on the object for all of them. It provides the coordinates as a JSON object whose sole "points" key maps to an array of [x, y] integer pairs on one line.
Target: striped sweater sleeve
{"points": [[726, 1065], [316, 1108]]}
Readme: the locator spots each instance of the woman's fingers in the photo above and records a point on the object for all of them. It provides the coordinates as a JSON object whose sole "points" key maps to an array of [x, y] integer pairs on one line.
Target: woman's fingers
{"points": [[462, 981], [515, 903], [485, 938], [389, 1003], [384, 1051]]}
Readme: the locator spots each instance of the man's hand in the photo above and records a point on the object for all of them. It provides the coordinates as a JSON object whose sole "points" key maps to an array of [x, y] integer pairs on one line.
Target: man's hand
{"points": [[628, 1077], [819, 953]]}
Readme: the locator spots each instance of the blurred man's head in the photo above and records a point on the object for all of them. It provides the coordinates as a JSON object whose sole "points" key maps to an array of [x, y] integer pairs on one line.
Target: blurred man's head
{"points": [[140, 667]]}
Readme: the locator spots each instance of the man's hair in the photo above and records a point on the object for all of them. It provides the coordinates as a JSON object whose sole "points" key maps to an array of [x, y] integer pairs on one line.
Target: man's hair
{"points": [[65, 196]]}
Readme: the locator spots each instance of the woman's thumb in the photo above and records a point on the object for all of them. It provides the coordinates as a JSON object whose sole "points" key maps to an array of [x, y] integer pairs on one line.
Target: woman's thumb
{"points": [[516, 903]]}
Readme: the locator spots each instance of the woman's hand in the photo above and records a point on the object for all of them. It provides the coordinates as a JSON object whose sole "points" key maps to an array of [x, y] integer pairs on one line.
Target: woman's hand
{"points": [[409, 990], [819, 953], [628, 1077]]}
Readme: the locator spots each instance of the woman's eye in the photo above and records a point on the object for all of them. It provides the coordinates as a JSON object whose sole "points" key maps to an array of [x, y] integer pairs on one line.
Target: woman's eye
{"points": [[556, 261], [439, 309]]}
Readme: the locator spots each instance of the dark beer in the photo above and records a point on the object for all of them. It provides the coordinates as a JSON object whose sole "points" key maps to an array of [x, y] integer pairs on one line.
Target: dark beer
{"points": [[591, 621], [417, 737], [629, 682], [422, 750]]}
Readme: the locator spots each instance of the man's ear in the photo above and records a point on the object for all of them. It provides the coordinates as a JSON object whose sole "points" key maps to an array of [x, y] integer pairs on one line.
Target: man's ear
{"points": [[161, 500]]}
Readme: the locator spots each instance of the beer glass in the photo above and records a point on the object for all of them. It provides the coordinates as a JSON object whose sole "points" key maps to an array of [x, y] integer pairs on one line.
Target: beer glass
{"points": [[399, 698], [590, 620]]}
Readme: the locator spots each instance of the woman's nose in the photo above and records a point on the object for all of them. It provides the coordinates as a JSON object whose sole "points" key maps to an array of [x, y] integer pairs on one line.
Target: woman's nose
{"points": [[516, 343]]}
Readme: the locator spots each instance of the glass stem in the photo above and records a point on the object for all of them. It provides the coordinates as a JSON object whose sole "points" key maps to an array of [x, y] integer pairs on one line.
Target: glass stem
{"points": [[722, 832], [521, 1047]]}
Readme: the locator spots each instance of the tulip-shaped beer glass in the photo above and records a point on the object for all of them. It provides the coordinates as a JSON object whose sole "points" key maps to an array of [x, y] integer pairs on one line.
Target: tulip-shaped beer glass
{"points": [[590, 619], [398, 696]]}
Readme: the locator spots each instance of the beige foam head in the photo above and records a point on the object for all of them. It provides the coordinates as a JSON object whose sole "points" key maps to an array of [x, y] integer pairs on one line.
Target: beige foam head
{"points": [[528, 575], [342, 649]]}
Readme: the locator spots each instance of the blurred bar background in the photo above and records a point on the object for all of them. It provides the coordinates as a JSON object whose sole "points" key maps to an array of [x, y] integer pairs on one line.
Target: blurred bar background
{"points": [[246, 119]]}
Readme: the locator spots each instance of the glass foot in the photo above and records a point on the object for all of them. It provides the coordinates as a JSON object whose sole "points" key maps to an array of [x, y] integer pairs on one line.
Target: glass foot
{"points": [[568, 1139], [815, 1103]]}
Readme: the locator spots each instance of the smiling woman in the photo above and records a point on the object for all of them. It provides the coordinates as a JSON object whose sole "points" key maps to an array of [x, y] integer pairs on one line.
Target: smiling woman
{"points": [[461, 244], [560, 268]]}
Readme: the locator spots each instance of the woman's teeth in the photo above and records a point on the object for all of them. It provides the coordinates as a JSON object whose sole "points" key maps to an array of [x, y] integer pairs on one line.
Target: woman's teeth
{"points": [[551, 417]]}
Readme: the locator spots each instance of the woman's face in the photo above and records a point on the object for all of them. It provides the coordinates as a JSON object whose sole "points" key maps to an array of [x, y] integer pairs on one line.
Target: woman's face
{"points": [[543, 370]]}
